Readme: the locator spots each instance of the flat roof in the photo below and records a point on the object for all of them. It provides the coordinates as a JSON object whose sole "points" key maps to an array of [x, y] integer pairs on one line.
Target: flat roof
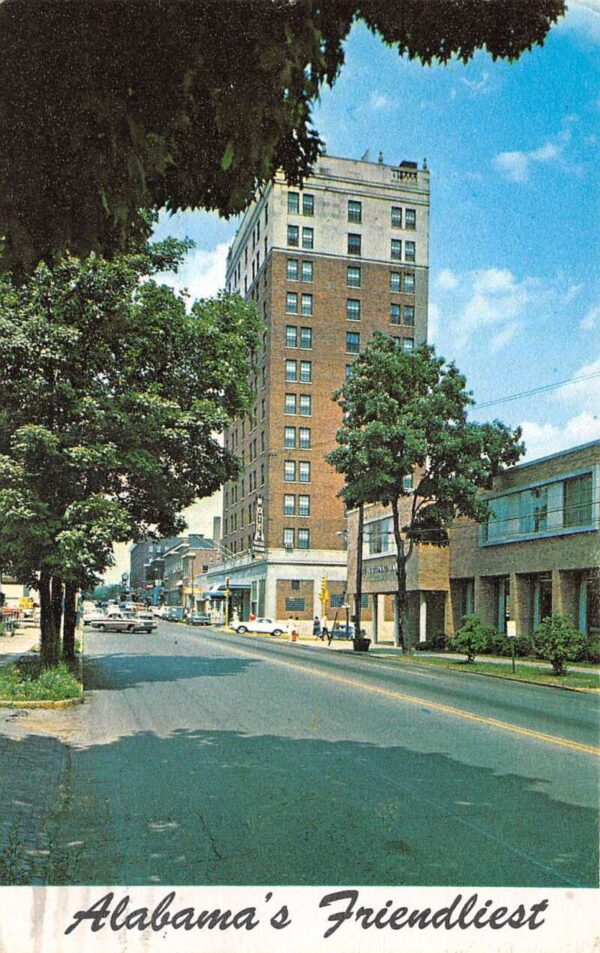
{"points": [[552, 456]]}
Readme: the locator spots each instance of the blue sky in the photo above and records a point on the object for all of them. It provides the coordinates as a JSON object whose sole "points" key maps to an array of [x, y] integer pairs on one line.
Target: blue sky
{"points": [[513, 152]]}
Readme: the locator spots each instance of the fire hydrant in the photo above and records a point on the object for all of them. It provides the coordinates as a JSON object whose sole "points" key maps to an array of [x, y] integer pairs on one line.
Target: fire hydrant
{"points": [[294, 635]]}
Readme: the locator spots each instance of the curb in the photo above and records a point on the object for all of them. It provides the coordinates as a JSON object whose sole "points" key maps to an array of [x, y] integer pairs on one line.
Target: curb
{"points": [[40, 703], [502, 678]]}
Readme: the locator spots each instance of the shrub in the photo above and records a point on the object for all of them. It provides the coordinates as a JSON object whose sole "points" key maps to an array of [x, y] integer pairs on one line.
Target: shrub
{"points": [[591, 650], [500, 645], [472, 638], [437, 643], [558, 641]]}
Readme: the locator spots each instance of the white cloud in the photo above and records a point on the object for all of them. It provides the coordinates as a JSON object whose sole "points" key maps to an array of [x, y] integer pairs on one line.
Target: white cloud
{"points": [[433, 322], [592, 319], [447, 280], [202, 274], [583, 18], [380, 101], [478, 86], [543, 439], [503, 337], [516, 166], [585, 393]]}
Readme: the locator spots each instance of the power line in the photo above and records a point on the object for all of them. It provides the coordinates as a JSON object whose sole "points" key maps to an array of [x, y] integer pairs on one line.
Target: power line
{"points": [[538, 390]]}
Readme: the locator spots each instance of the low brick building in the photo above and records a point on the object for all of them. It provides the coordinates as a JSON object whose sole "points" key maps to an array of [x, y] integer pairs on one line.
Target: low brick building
{"points": [[539, 552]]}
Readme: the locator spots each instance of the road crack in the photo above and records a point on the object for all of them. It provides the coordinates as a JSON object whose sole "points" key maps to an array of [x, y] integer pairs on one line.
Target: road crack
{"points": [[211, 837]]}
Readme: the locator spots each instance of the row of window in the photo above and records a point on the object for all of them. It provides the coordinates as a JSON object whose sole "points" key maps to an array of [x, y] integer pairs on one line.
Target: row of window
{"points": [[298, 337], [298, 371], [354, 243], [296, 437], [399, 281], [293, 299], [353, 343], [296, 538], [299, 270], [296, 471], [298, 404], [551, 507], [305, 205], [294, 235], [296, 505], [397, 312]]}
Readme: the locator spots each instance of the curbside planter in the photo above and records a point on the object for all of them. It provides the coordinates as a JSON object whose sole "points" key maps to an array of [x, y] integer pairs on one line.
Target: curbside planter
{"points": [[40, 703], [361, 644]]}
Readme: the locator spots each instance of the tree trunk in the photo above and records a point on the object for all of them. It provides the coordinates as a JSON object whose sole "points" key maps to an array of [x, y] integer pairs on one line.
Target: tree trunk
{"points": [[69, 622], [359, 560], [401, 635], [57, 603], [49, 638]]}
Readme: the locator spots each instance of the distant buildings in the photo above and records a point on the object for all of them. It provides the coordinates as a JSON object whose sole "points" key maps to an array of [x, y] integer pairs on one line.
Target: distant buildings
{"points": [[162, 571], [326, 265]]}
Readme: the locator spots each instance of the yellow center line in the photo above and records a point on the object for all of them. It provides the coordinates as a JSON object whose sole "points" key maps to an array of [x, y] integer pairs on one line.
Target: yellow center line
{"points": [[435, 706]]}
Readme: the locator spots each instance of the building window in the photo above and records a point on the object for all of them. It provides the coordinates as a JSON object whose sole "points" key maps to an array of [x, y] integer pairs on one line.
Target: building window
{"points": [[409, 314], [305, 405], [348, 372], [379, 537], [307, 271], [289, 471], [410, 218], [308, 238], [303, 539], [396, 249], [262, 474], [408, 344], [305, 372], [291, 302], [308, 204], [303, 472], [290, 404], [292, 269], [288, 538], [291, 336], [352, 342], [293, 236], [307, 305], [353, 309], [289, 438], [306, 338], [354, 244], [396, 216], [293, 203], [395, 281], [409, 283], [353, 276], [291, 370], [294, 605], [577, 506], [304, 438], [355, 211], [303, 504], [289, 504], [295, 585], [394, 313], [409, 251]]}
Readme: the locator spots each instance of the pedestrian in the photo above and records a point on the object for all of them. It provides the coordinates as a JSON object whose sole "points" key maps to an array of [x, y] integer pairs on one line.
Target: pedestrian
{"points": [[251, 617], [317, 628], [325, 629]]}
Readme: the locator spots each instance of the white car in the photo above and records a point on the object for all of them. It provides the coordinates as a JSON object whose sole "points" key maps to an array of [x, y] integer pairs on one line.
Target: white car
{"points": [[266, 626]]}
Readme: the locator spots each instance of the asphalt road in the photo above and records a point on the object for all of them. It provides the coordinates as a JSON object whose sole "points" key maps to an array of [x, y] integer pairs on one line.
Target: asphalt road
{"points": [[204, 758]]}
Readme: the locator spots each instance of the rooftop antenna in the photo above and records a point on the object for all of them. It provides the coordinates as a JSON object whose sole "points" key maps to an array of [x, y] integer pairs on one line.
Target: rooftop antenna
{"points": [[365, 157], [380, 158]]}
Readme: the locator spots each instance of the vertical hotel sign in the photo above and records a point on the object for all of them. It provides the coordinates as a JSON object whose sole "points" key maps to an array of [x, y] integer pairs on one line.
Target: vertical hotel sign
{"points": [[258, 545]]}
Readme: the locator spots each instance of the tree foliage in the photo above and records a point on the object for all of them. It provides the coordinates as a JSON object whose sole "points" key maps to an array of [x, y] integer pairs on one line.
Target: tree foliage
{"points": [[113, 396], [473, 637], [110, 106], [405, 419]]}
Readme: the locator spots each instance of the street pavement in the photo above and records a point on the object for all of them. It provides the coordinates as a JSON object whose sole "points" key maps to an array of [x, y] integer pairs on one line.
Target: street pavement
{"points": [[202, 757]]}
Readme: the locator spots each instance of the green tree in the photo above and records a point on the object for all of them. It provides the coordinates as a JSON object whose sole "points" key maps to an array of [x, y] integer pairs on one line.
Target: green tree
{"points": [[114, 393], [110, 106], [558, 641], [405, 419]]}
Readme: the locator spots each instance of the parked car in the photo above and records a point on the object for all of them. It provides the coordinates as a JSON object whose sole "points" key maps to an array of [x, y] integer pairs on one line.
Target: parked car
{"points": [[121, 623], [341, 631], [266, 626], [198, 618], [174, 614]]}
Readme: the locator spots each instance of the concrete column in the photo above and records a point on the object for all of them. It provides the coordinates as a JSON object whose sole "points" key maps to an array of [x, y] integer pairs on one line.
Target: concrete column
{"points": [[521, 600], [565, 595], [422, 616], [486, 606]]}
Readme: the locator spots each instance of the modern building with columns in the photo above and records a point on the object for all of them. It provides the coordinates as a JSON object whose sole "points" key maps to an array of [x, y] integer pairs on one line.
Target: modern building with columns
{"points": [[539, 552]]}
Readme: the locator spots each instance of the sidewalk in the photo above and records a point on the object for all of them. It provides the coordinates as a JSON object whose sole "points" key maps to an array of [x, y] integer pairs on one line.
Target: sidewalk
{"points": [[13, 646]]}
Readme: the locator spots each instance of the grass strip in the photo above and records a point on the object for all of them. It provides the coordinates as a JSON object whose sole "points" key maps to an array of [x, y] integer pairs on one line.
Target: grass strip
{"points": [[523, 672], [26, 680]]}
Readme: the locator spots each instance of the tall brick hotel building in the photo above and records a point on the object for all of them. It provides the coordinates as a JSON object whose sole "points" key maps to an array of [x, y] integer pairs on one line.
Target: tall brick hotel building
{"points": [[326, 265]]}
